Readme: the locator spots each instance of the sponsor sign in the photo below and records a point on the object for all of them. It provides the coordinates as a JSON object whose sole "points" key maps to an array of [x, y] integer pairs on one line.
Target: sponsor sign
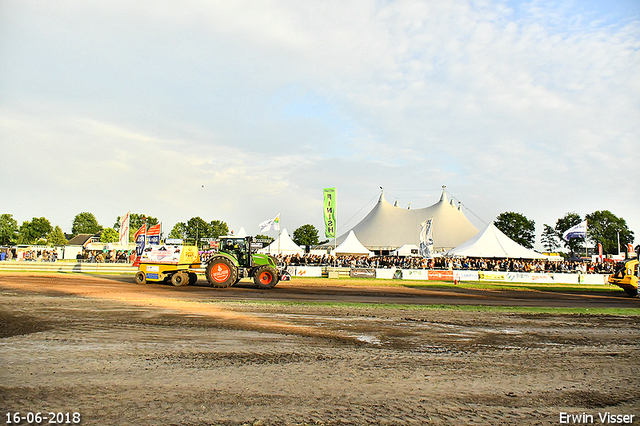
{"points": [[465, 275], [153, 276], [362, 273], [415, 274], [170, 254], [308, 271], [440, 275], [491, 276]]}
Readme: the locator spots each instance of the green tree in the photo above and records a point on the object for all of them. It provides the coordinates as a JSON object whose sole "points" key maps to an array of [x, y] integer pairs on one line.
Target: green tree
{"points": [[197, 228], [549, 238], [306, 235], [179, 230], [604, 227], [217, 228], [34, 231], [567, 221], [85, 223], [517, 227], [56, 237], [109, 235], [8, 229]]}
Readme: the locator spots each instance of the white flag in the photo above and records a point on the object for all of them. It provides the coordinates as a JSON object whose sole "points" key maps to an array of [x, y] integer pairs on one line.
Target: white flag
{"points": [[268, 225], [426, 239], [124, 230], [577, 231]]}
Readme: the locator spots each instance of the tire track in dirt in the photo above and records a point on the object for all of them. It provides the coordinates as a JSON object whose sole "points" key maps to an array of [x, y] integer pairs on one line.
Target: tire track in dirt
{"points": [[93, 288]]}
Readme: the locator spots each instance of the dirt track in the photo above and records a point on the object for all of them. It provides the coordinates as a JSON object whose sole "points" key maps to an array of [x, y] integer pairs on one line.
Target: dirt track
{"points": [[157, 355]]}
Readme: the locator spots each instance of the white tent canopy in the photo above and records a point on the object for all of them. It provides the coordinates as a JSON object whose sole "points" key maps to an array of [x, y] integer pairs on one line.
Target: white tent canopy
{"points": [[352, 246], [407, 250], [388, 227], [241, 233], [282, 245], [492, 242]]}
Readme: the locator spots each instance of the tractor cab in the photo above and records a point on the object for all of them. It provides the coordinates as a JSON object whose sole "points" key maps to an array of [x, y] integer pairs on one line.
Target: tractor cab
{"points": [[238, 247]]}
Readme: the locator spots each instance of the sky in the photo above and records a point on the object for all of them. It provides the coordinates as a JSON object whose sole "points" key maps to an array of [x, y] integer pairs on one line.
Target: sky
{"points": [[240, 111]]}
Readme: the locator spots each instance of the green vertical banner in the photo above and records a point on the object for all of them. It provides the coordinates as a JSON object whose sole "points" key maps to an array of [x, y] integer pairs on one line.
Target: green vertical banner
{"points": [[329, 208]]}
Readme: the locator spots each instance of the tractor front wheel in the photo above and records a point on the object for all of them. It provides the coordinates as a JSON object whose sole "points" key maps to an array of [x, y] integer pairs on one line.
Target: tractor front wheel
{"points": [[221, 272], [179, 279], [265, 277], [193, 278]]}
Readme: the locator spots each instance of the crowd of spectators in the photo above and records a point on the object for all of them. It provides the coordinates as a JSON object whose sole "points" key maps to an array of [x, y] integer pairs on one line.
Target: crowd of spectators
{"points": [[99, 256], [29, 255], [377, 262], [443, 263]]}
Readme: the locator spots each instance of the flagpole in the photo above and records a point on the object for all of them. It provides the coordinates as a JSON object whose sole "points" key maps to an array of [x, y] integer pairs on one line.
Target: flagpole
{"points": [[335, 238]]}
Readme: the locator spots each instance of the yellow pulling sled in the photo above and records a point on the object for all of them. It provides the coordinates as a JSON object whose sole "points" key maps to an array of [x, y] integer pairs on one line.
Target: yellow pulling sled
{"points": [[165, 262], [626, 277]]}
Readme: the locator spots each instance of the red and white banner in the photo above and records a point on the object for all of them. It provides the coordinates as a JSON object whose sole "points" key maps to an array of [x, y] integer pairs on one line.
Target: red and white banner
{"points": [[124, 230], [153, 234], [140, 238]]}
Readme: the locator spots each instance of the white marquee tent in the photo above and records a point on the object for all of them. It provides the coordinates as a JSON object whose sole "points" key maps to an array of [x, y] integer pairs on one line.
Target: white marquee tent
{"points": [[388, 227], [492, 242], [352, 246], [282, 245]]}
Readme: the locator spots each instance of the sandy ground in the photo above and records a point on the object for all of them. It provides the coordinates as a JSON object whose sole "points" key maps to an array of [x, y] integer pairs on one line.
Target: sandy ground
{"points": [[123, 354]]}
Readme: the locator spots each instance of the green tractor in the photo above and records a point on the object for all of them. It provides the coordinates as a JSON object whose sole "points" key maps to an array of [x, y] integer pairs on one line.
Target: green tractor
{"points": [[236, 260]]}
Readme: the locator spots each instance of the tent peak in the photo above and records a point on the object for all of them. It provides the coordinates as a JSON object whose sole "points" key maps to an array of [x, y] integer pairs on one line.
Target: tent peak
{"points": [[443, 197]]}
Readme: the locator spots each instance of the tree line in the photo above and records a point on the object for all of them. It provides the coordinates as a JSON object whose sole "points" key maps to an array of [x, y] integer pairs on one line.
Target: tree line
{"points": [[40, 231], [603, 227]]}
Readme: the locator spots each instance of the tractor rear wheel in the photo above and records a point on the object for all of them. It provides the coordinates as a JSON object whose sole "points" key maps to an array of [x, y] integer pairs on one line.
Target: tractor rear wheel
{"points": [[140, 278], [221, 272], [179, 279], [265, 277]]}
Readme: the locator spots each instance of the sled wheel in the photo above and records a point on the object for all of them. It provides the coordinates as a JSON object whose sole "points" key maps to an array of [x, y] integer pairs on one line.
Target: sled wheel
{"points": [[179, 279], [193, 278], [140, 278], [265, 277], [221, 272]]}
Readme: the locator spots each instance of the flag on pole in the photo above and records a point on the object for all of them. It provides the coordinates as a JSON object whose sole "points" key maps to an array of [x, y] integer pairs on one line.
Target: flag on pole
{"points": [[124, 230], [426, 239], [140, 238], [153, 234], [269, 225], [577, 231], [329, 209]]}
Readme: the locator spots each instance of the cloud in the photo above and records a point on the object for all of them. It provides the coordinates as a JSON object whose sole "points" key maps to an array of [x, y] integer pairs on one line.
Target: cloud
{"points": [[118, 106]]}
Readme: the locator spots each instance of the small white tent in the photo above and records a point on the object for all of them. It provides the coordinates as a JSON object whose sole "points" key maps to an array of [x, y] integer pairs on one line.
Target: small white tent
{"points": [[407, 250], [352, 246], [241, 233], [282, 245], [492, 242]]}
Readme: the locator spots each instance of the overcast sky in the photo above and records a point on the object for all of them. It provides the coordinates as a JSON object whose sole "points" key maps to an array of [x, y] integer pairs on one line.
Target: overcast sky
{"points": [[240, 110]]}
